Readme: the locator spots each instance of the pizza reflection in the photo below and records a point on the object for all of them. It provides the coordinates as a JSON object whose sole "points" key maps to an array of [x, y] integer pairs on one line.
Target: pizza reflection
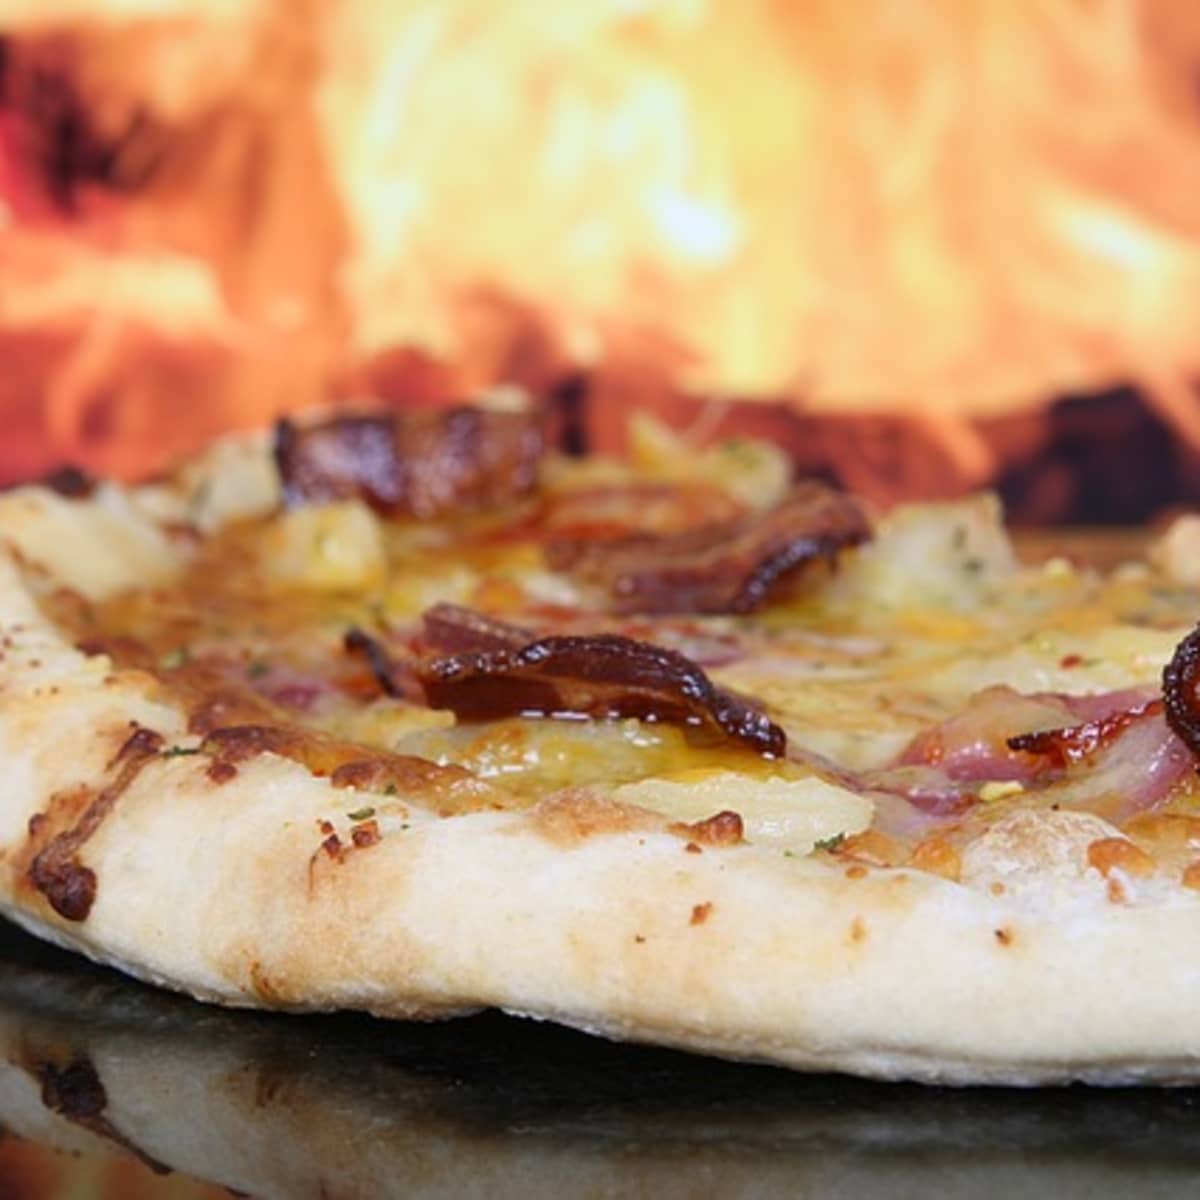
{"points": [[110, 1089]]}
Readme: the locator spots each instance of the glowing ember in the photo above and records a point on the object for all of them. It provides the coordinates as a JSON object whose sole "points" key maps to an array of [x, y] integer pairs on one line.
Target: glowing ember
{"points": [[957, 207]]}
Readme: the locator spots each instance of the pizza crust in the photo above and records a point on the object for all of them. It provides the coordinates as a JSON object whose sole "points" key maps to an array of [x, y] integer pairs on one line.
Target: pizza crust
{"points": [[226, 892]]}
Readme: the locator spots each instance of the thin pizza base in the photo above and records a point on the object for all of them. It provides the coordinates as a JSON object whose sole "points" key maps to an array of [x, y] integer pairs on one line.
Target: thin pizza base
{"points": [[595, 916]]}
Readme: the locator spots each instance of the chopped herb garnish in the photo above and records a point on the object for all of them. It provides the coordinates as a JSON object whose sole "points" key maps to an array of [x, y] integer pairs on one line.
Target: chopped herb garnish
{"points": [[390, 790], [361, 814], [829, 843], [258, 668], [973, 566], [174, 658], [178, 751]]}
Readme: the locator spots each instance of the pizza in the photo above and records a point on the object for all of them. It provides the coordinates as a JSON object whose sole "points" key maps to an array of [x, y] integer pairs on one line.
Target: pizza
{"points": [[415, 713]]}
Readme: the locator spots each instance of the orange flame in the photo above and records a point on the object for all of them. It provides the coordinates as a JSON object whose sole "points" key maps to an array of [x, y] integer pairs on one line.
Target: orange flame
{"points": [[958, 206]]}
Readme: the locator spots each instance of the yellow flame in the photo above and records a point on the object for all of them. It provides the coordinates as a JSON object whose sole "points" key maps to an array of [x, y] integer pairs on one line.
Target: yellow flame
{"points": [[962, 204]]}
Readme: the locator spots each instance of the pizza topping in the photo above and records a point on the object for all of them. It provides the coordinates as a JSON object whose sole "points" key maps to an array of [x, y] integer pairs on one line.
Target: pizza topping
{"points": [[598, 676], [445, 788], [976, 744], [1077, 743], [419, 464], [611, 512], [796, 814], [1121, 763], [1181, 678], [1119, 854], [385, 671], [730, 567], [574, 815], [874, 847], [365, 834], [725, 828], [453, 629], [936, 855]]}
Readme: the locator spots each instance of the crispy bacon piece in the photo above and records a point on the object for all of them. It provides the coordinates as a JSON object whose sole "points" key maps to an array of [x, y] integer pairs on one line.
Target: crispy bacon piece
{"points": [[1181, 678], [453, 629], [603, 675], [608, 511], [732, 567], [1077, 743], [419, 464]]}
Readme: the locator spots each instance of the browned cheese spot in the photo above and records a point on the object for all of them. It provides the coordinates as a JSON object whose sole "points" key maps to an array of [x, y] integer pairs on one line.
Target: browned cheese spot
{"points": [[936, 856], [448, 790], [701, 913], [221, 771], [1117, 853], [365, 834], [872, 846], [571, 817], [1004, 935], [1191, 876], [721, 829], [858, 930]]}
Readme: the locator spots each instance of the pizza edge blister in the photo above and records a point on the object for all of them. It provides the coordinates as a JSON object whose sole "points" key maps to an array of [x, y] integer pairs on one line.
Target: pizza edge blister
{"points": [[269, 889]]}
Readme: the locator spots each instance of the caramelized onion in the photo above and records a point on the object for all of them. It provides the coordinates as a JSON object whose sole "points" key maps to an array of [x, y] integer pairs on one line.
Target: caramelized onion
{"points": [[597, 676], [415, 463], [732, 567], [1181, 678]]}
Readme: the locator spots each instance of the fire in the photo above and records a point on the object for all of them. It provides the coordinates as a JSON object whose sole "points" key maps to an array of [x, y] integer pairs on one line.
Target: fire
{"points": [[956, 208]]}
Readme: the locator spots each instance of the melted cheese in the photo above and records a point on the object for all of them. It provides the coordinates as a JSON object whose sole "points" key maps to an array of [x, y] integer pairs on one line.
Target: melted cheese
{"points": [[855, 667], [791, 814]]}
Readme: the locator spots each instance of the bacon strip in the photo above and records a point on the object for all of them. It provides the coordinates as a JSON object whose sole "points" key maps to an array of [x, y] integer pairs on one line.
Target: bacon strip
{"points": [[1078, 743], [418, 464], [602, 675], [732, 567], [453, 629]]}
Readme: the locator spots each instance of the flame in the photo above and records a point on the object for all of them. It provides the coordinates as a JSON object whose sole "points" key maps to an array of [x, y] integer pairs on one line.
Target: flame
{"points": [[961, 207], [952, 202]]}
